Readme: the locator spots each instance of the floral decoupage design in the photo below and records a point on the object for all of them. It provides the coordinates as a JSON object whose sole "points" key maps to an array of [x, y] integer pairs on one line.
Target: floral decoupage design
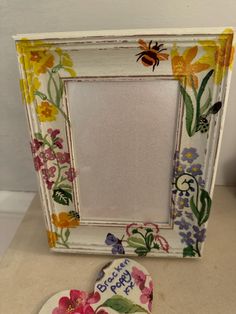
{"points": [[196, 68], [43, 62], [142, 238], [192, 201]]}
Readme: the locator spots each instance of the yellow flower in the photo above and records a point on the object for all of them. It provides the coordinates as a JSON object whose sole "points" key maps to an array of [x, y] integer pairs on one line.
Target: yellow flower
{"points": [[184, 69], [46, 111], [66, 62], [65, 220], [219, 54], [35, 56], [52, 238], [28, 88]]}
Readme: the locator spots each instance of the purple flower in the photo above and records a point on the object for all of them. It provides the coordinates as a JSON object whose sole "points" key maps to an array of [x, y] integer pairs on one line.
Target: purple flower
{"points": [[189, 154], [182, 202], [199, 235], [183, 225], [189, 215], [179, 168], [195, 169], [201, 182], [178, 213], [186, 238]]}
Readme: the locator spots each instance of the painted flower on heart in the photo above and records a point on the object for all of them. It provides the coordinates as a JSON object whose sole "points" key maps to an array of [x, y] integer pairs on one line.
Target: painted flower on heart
{"points": [[46, 111], [65, 220], [185, 68], [79, 302], [139, 277], [147, 296], [219, 53]]}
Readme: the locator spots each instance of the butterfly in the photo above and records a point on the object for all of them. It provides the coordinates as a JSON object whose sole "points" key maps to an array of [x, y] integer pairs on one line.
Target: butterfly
{"points": [[117, 247]]}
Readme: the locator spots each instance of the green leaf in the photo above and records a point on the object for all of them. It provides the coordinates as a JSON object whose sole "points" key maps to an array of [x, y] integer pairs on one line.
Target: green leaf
{"points": [[189, 251], [205, 208], [156, 246], [40, 94], [65, 186], [203, 85], [61, 196], [189, 110], [149, 239], [136, 242], [194, 208], [142, 251], [207, 103], [123, 305], [67, 233], [38, 136]]}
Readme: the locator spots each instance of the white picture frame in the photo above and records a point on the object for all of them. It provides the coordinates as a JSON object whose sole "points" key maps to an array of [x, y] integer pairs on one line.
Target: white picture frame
{"points": [[125, 131]]}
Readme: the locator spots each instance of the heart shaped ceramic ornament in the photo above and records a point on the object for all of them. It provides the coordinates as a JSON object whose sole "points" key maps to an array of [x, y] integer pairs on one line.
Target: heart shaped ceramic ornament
{"points": [[122, 286]]}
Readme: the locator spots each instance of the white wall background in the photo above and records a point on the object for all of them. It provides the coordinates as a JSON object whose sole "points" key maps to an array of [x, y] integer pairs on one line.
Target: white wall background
{"points": [[25, 16]]}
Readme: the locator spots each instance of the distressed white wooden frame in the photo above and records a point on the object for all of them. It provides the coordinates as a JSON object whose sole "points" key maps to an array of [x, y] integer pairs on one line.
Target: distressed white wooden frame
{"points": [[112, 56]]}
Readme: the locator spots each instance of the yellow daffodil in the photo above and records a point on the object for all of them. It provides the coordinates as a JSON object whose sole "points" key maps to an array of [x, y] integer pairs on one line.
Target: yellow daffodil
{"points": [[46, 111], [219, 54], [52, 238], [35, 56], [66, 62], [184, 68]]}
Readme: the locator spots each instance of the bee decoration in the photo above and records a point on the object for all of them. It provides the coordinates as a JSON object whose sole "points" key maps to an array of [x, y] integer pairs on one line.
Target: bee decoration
{"points": [[151, 54], [203, 124]]}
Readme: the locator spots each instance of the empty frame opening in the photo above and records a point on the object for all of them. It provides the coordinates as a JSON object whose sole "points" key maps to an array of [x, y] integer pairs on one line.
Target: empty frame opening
{"points": [[124, 140]]}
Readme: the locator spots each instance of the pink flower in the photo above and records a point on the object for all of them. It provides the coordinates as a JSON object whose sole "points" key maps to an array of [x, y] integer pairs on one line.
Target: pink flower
{"points": [[147, 295], [37, 163], [53, 133], [139, 277], [49, 184], [49, 173], [62, 158], [150, 225], [71, 174], [78, 303], [49, 154], [58, 142], [163, 243], [35, 145]]}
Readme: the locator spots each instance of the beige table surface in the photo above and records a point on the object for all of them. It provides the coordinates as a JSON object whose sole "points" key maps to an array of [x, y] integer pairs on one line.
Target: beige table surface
{"points": [[30, 273]]}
